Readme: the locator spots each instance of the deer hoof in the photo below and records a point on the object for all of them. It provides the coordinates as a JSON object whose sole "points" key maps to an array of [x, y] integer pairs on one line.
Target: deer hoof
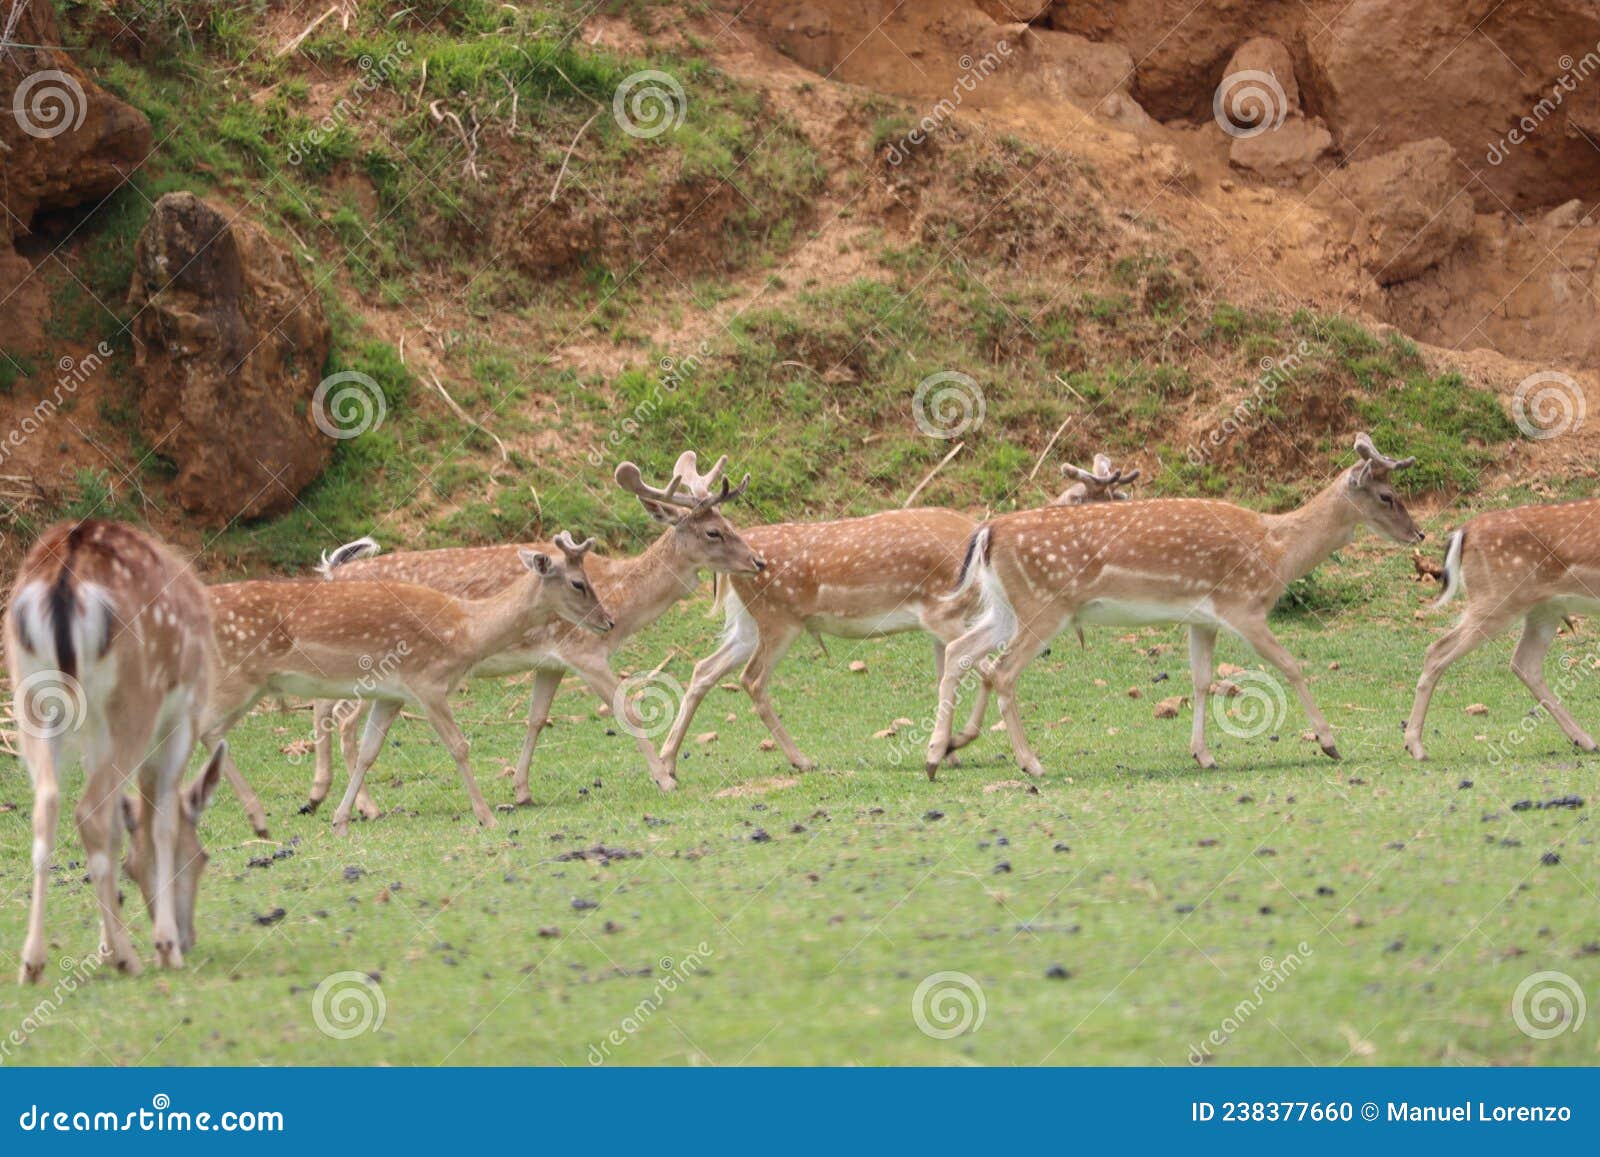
{"points": [[129, 965], [803, 763], [309, 808], [1331, 751], [1586, 744], [932, 768], [1206, 760], [30, 973], [667, 783], [168, 954]]}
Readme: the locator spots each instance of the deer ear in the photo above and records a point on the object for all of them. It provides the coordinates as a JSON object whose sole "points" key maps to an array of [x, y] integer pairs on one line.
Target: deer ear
{"points": [[198, 795], [538, 562], [670, 515]]}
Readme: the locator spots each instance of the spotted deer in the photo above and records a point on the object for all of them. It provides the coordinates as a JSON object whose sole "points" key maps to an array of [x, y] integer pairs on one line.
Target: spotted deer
{"points": [[853, 578], [108, 644], [1210, 565], [389, 644], [1536, 564], [638, 590]]}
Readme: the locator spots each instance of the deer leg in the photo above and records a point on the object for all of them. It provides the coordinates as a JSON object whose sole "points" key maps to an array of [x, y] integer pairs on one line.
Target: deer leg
{"points": [[768, 654], [1024, 648], [40, 756], [1528, 663], [350, 713], [437, 708], [1466, 636], [379, 720], [1254, 631], [603, 681], [1202, 645], [980, 705], [743, 636], [960, 656], [160, 781], [545, 685], [322, 725], [343, 716], [99, 816]]}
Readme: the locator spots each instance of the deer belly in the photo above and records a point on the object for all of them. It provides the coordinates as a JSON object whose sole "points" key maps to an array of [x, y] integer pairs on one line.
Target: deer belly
{"points": [[866, 626], [515, 663], [303, 685], [1139, 612]]}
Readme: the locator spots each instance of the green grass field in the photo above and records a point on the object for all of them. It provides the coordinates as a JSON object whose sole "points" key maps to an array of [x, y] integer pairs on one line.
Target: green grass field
{"points": [[1372, 911]]}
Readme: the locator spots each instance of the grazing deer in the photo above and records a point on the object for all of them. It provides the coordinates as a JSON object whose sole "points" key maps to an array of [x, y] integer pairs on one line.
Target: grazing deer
{"points": [[388, 643], [638, 590], [1099, 486], [1204, 563], [1538, 564], [108, 643], [855, 578]]}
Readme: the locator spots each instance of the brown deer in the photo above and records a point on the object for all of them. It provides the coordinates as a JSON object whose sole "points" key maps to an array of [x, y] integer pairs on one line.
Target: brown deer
{"points": [[1204, 563], [387, 643], [638, 590], [1537, 564], [854, 578], [108, 643]]}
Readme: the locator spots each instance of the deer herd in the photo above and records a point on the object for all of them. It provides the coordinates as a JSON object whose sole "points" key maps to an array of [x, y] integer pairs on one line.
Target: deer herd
{"points": [[120, 657]]}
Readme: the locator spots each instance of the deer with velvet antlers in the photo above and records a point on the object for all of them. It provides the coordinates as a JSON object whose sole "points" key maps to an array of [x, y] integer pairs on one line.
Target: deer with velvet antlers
{"points": [[854, 578], [1536, 564], [108, 643], [1208, 564], [389, 644], [638, 591]]}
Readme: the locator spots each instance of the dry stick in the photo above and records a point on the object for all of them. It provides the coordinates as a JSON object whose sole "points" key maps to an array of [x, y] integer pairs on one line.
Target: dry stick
{"points": [[467, 418], [556, 188], [305, 32], [912, 497], [1050, 445]]}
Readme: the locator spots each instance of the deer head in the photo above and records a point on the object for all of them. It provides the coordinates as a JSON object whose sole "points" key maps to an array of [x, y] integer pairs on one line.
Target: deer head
{"points": [[689, 506], [189, 857], [1098, 486], [1377, 504], [567, 585]]}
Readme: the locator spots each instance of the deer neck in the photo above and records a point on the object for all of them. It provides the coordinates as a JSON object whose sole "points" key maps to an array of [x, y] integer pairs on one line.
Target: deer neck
{"points": [[1303, 538], [641, 588], [496, 622]]}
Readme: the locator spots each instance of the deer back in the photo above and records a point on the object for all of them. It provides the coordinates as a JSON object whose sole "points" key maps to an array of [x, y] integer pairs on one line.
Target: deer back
{"points": [[1532, 554]]}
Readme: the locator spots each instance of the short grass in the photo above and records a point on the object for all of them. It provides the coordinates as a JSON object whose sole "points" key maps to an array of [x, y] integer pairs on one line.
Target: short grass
{"points": [[1121, 914]]}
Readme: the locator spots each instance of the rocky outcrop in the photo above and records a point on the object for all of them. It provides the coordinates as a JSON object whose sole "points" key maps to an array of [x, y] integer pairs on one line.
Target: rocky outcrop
{"points": [[1258, 105], [64, 140], [229, 343], [1068, 67], [1413, 211]]}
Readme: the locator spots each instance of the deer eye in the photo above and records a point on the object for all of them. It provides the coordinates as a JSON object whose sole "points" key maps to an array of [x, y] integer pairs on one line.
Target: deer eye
{"points": [[577, 586], [1386, 499], [714, 535]]}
